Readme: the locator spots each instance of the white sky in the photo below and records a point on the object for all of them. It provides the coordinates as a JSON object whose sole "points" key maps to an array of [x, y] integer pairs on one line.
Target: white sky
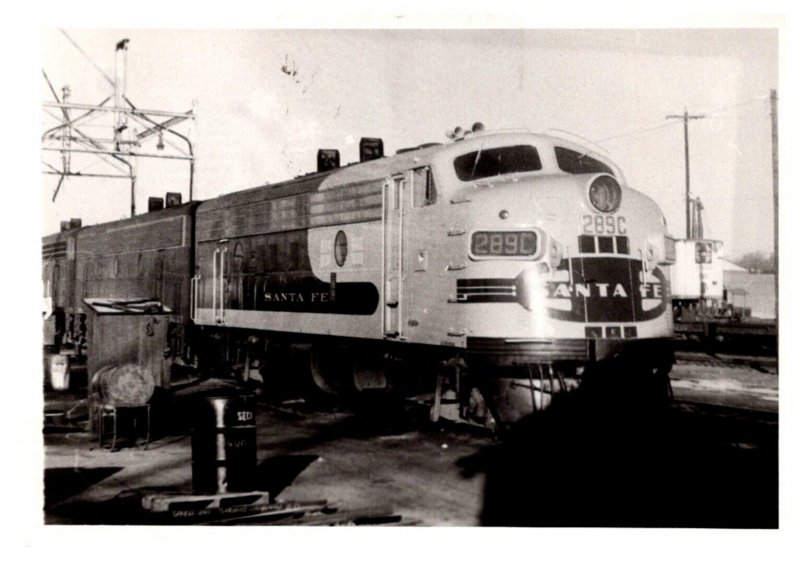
{"points": [[257, 124]]}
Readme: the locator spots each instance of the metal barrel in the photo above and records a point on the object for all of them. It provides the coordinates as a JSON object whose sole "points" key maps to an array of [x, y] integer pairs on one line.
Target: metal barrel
{"points": [[224, 444], [126, 384]]}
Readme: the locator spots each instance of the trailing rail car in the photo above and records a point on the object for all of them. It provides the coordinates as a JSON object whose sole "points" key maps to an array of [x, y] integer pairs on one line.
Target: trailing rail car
{"points": [[708, 314], [58, 280], [495, 270], [149, 256]]}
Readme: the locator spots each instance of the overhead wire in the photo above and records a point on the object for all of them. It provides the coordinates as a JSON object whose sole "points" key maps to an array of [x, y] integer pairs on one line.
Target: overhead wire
{"points": [[715, 113], [662, 125], [85, 55]]}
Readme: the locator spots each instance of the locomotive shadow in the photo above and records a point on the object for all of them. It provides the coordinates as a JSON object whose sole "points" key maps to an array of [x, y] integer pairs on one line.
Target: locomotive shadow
{"points": [[276, 473], [61, 483], [598, 459]]}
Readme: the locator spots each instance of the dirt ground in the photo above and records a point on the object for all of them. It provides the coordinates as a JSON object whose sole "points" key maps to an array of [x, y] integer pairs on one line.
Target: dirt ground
{"points": [[733, 386], [599, 456]]}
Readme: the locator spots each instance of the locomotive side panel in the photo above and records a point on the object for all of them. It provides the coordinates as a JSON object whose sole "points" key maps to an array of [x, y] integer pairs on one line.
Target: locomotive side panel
{"points": [[148, 256], [433, 233], [273, 262]]}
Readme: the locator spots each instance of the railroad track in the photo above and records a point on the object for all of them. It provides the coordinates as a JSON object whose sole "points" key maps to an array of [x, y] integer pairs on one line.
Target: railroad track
{"points": [[758, 362]]}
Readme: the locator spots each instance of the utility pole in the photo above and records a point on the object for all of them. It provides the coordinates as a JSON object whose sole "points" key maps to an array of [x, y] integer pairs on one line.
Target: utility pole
{"points": [[686, 117], [773, 104]]}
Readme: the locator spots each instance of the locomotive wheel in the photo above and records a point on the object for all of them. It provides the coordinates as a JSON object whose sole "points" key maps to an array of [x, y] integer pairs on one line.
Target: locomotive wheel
{"points": [[331, 369], [369, 373]]}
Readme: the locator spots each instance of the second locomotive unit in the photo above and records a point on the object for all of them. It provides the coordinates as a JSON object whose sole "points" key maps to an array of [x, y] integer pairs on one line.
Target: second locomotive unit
{"points": [[502, 264]]}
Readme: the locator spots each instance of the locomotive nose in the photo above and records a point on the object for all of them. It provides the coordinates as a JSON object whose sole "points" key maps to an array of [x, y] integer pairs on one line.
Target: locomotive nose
{"points": [[530, 287], [526, 283]]}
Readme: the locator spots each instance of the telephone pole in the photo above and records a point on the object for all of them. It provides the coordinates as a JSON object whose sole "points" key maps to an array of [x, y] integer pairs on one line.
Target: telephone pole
{"points": [[686, 117], [773, 101]]}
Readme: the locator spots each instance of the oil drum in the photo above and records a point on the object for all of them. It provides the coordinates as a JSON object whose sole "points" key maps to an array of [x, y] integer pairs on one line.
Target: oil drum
{"points": [[224, 444], [124, 385]]}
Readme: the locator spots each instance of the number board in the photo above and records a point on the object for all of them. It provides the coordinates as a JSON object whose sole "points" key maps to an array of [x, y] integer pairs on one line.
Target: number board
{"points": [[504, 244], [597, 225]]}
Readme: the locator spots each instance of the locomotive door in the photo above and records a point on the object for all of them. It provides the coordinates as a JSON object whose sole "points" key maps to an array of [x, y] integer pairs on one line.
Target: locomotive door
{"points": [[394, 192]]}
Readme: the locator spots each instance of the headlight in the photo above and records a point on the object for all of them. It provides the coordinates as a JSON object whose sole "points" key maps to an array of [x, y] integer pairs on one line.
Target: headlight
{"points": [[605, 194]]}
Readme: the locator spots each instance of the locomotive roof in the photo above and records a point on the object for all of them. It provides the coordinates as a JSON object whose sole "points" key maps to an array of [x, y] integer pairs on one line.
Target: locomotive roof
{"points": [[380, 168]]}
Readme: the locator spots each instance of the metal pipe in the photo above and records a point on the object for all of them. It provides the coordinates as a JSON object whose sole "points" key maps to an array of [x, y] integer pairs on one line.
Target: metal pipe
{"points": [[193, 297], [689, 233], [187, 115], [773, 99], [140, 114], [196, 297], [214, 285], [58, 186], [75, 120], [82, 175], [115, 153], [191, 178], [133, 191], [222, 285], [79, 140]]}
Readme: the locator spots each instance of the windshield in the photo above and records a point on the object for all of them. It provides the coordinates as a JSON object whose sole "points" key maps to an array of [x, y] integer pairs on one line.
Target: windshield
{"points": [[497, 161], [574, 162]]}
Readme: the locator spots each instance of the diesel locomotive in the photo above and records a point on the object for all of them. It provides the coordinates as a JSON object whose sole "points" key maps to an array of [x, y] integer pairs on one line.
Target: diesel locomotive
{"points": [[490, 272]]}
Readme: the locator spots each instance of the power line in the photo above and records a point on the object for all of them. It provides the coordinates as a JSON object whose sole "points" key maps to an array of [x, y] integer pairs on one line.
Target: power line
{"points": [[737, 105], [663, 125], [636, 132], [85, 55]]}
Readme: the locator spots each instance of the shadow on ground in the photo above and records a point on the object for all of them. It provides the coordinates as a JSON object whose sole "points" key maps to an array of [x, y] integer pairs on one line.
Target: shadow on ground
{"points": [[63, 482], [274, 474], [597, 459]]}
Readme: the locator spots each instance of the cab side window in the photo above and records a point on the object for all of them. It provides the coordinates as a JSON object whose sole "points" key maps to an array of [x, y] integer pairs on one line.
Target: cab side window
{"points": [[424, 187]]}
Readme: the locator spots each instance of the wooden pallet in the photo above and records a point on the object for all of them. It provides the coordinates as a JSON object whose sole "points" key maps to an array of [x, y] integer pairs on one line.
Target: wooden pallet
{"points": [[309, 514], [161, 502], [255, 508]]}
